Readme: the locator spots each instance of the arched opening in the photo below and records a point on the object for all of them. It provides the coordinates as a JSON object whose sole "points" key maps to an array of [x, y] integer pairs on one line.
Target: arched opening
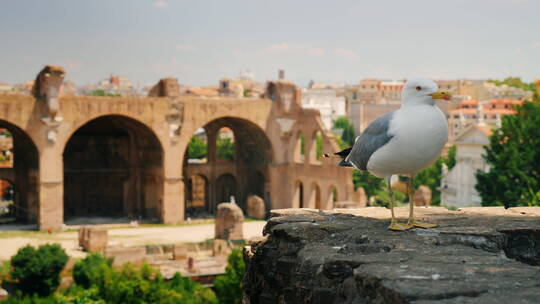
{"points": [[19, 175], [315, 197], [225, 145], [8, 198], [197, 152], [332, 197], [113, 168], [298, 195], [237, 165], [196, 196], [316, 151], [226, 188], [300, 148]]}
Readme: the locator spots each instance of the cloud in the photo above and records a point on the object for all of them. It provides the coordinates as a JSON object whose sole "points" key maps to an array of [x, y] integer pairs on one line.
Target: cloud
{"points": [[315, 51], [184, 48], [536, 45], [277, 48], [160, 4], [345, 53]]}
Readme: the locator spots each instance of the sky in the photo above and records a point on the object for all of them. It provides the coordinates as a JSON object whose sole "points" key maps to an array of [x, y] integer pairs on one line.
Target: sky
{"points": [[340, 41]]}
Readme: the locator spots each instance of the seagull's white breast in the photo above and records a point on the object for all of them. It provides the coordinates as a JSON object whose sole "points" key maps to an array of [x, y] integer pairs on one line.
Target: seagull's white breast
{"points": [[419, 134]]}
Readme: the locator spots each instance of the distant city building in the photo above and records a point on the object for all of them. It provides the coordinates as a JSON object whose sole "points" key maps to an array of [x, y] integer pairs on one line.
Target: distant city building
{"points": [[114, 85], [471, 111], [244, 85], [505, 91], [458, 184], [5, 87], [327, 102]]}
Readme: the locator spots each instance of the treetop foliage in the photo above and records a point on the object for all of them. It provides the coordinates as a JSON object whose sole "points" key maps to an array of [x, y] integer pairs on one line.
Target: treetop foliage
{"points": [[514, 159]]}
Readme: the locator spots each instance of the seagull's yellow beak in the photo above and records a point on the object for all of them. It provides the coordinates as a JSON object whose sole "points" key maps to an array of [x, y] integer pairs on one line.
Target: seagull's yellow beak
{"points": [[441, 94]]}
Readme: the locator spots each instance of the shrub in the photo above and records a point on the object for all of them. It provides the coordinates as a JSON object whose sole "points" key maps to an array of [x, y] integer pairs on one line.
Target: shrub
{"points": [[229, 286], [89, 270], [130, 285], [37, 271]]}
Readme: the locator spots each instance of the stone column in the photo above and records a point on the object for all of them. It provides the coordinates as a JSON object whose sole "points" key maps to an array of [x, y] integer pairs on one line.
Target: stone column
{"points": [[173, 205], [51, 189]]}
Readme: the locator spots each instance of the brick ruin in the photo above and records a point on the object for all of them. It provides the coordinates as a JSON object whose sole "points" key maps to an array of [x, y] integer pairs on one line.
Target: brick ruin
{"points": [[125, 157]]}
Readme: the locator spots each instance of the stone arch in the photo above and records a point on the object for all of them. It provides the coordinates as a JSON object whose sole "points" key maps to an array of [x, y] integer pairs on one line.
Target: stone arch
{"points": [[298, 195], [316, 149], [300, 148], [22, 172], [315, 200], [332, 197], [113, 167], [79, 124], [252, 154]]}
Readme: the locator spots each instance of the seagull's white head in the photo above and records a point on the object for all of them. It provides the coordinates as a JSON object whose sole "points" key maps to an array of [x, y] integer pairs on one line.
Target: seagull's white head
{"points": [[422, 91]]}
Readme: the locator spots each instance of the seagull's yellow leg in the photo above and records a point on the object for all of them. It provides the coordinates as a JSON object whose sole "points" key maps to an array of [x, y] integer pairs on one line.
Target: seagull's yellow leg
{"points": [[413, 223], [394, 225]]}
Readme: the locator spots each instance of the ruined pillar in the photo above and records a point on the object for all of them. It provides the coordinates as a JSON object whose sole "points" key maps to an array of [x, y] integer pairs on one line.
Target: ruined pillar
{"points": [[173, 204], [51, 189]]}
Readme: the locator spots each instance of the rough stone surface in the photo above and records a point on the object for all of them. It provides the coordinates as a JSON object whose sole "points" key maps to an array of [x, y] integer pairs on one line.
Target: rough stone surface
{"points": [[255, 207], [229, 220], [422, 196], [475, 255], [93, 238], [180, 252], [220, 248], [122, 255]]}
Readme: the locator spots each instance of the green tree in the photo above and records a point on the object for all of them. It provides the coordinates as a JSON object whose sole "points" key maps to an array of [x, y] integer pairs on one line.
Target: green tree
{"points": [[431, 176], [229, 286], [225, 148], [318, 145], [348, 135], [514, 159], [371, 184], [37, 271], [97, 280], [87, 271], [515, 82], [102, 93], [197, 148]]}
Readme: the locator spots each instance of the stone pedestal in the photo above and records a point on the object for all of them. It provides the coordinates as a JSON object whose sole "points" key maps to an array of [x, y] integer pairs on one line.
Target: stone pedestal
{"points": [[93, 239], [229, 222], [255, 207], [422, 196]]}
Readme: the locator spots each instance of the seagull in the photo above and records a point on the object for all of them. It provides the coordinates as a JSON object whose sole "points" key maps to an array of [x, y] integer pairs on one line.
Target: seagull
{"points": [[403, 142]]}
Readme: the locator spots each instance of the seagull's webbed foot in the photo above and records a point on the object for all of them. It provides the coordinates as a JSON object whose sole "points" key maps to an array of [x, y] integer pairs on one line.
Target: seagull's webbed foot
{"points": [[394, 225], [419, 224]]}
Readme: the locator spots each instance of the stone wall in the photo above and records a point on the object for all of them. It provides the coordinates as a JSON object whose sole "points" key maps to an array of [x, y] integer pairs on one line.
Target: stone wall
{"points": [[307, 256]]}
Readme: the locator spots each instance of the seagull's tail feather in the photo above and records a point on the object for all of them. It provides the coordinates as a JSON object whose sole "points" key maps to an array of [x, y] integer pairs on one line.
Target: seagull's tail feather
{"points": [[345, 163], [343, 155]]}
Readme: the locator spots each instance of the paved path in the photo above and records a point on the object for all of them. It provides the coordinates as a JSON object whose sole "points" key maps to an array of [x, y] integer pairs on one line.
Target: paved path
{"points": [[123, 236]]}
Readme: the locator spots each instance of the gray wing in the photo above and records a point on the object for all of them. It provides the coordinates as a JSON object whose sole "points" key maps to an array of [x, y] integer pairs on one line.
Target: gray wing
{"points": [[374, 137]]}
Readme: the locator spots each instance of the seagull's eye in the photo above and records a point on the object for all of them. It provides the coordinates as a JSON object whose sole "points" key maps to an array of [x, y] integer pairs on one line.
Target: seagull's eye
{"points": [[418, 88]]}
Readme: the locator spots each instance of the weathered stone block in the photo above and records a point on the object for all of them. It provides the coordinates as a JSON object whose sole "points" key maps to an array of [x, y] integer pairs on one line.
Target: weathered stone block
{"points": [[349, 256], [180, 252], [93, 238], [255, 207], [220, 248], [122, 255], [229, 222]]}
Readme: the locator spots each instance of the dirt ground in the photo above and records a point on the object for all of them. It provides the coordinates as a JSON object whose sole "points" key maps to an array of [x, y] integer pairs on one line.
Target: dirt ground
{"points": [[12, 240]]}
